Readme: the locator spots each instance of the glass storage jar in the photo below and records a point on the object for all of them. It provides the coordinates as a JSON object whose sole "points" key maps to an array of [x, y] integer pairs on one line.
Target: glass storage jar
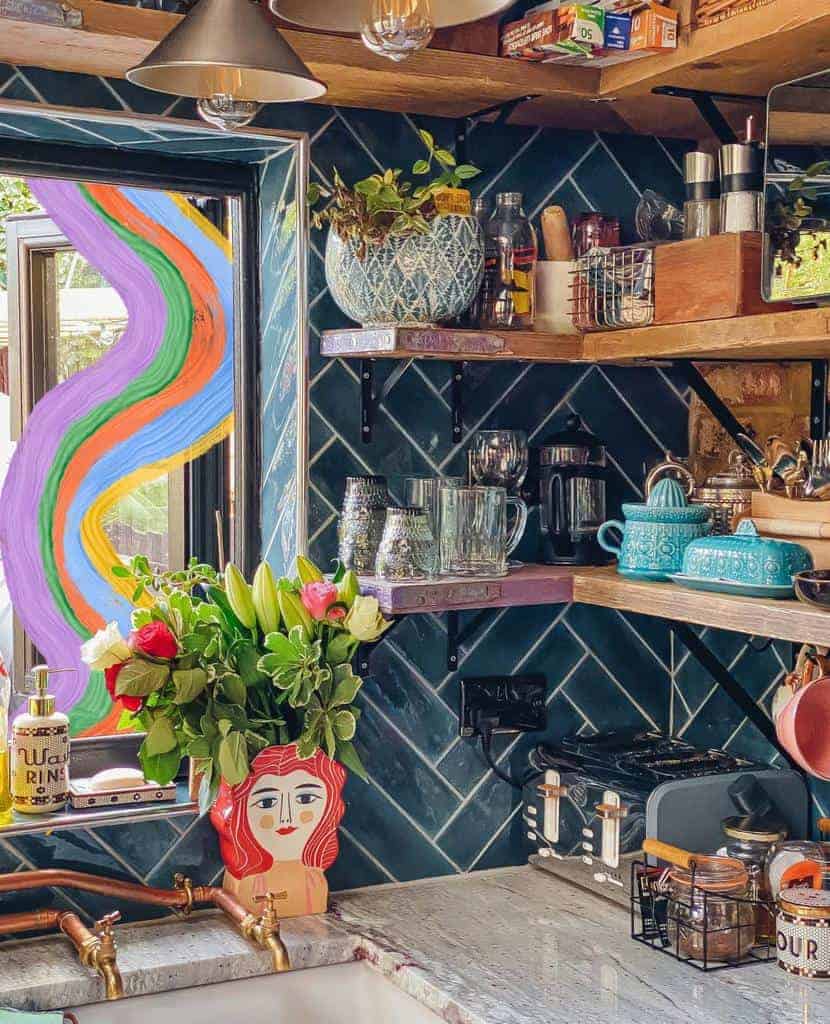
{"points": [[797, 864], [749, 840], [711, 914]]}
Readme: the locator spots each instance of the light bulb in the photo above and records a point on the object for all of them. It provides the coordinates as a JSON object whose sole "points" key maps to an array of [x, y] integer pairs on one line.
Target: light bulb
{"points": [[397, 28], [223, 111]]}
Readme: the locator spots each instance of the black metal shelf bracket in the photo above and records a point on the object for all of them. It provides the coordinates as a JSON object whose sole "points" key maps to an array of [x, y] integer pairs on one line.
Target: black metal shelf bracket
{"points": [[718, 408], [820, 372], [464, 125], [707, 105], [371, 399], [457, 402], [724, 678], [457, 636]]}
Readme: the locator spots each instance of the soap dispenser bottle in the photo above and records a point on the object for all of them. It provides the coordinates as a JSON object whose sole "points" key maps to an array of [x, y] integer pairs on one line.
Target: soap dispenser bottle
{"points": [[40, 751]]}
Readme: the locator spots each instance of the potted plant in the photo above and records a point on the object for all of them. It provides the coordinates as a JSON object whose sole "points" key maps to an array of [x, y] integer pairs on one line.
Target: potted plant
{"points": [[254, 683], [399, 254]]}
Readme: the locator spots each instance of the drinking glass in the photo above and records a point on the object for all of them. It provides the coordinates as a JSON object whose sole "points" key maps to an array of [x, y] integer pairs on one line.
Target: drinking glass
{"points": [[499, 458], [422, 492], [474, 540], [407, 550]]}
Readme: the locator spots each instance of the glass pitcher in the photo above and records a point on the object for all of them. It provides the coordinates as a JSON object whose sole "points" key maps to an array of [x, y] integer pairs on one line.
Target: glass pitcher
{"points": [[474, 540]]}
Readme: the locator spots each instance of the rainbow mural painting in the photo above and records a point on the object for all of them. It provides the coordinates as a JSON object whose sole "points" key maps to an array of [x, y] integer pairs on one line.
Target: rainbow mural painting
{"points": [[160, 397]]}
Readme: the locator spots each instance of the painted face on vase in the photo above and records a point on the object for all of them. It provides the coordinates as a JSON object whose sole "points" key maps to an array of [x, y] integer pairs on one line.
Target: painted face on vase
{"points": [[284, 811], [287, 809]]}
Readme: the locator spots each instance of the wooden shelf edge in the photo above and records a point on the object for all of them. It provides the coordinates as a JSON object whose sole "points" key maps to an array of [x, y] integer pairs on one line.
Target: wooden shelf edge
{"points": [[451, 343]]}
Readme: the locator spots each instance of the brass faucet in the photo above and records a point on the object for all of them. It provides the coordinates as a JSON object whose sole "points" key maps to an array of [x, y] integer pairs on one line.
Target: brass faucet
{"points": [[99, 952], [265, 931]]}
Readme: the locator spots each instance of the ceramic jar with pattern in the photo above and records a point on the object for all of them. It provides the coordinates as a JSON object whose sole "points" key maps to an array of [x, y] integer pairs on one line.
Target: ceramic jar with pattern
{"points": [[655, 535], [747, 558], [411, 281], [362, 518], [803, 933]]}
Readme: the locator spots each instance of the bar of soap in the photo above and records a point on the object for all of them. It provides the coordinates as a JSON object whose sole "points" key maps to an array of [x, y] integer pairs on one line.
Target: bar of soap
{"points": [[116, 778]]}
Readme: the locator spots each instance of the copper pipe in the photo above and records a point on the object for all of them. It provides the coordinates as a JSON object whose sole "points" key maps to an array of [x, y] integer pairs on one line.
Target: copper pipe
{"points": [[182, 898], [30, 921]]}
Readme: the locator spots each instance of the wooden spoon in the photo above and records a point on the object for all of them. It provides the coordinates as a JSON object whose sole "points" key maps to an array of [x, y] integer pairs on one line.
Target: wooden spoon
{"points": [[556, 233]]}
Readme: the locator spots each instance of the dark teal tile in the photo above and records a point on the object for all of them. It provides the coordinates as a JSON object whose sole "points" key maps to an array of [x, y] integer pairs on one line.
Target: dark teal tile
{"points": [[196, 855], [602, 702], [141, 844], [478, 820], [423, 640], [648, 165], [608, 189], [353, 867], [655, 402]]}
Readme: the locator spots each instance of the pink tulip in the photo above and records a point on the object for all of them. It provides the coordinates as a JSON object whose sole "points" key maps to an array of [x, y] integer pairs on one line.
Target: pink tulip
{"points": [[336, 614], [317, 598]]}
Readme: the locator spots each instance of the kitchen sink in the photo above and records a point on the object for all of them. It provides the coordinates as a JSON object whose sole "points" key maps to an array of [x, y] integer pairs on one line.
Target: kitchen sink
{"points": [[319, 995]]}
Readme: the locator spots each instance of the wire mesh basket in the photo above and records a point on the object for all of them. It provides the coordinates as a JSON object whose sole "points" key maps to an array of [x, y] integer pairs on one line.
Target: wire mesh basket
{"points": [[613, 288], [708, 931]]}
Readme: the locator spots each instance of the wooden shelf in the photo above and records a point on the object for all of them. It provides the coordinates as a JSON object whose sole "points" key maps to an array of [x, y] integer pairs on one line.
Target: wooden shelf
{"points": [[531, 584], [605, 588], [781, 620], [799, 334], [746, 55]]}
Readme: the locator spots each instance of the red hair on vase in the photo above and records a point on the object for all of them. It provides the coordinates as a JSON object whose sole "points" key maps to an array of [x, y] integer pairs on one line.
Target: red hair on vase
{"points": [[278, 829]]}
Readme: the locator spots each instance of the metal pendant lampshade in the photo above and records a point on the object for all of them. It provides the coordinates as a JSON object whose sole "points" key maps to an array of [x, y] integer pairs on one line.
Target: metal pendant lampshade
{"points": [[227, 52], [348, 15]]}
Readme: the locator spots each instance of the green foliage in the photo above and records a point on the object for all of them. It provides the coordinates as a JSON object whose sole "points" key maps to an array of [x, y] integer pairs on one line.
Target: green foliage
{"points": [[15, 197], [787, 217], [383, 206]]}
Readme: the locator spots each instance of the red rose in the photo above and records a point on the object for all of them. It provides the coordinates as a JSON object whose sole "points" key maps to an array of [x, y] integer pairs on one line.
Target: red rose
{"points": [[110, 676], [154, 639]]}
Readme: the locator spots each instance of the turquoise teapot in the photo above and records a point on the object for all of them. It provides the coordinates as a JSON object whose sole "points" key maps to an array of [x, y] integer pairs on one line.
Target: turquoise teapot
{"points": [[655, 535]]}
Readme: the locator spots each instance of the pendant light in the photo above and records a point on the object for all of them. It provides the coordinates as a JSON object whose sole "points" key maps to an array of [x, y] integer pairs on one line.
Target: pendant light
{"points": [[353, 15], [229, 56]]}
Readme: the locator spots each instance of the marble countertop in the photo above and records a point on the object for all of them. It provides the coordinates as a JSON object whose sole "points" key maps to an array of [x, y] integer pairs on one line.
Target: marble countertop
{"points": [[512, 946]]}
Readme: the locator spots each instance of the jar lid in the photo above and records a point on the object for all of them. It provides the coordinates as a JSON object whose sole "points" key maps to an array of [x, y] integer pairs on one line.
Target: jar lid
{"points": [[713, 874], [754, 830], [739, 474], [574, 435], [812, 903]]}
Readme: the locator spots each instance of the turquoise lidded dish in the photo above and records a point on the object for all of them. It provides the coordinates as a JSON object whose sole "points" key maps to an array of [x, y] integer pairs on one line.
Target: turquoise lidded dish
{"points": [[656, 534], [746, 558]]}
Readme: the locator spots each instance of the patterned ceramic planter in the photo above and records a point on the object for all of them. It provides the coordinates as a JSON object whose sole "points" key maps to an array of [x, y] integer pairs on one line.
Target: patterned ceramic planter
{"points": [[417, 281]]}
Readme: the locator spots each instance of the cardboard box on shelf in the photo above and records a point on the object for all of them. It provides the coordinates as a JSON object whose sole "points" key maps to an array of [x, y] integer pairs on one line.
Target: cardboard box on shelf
{"points": [[571, 30], [654, 29]]}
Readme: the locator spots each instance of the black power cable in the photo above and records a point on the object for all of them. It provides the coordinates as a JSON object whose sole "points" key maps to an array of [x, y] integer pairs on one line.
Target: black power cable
{"points": [[485, 728]]}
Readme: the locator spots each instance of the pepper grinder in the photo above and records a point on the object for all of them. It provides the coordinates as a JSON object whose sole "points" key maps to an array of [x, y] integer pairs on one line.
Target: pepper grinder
{"points": [[741, 184], [701, 211]]}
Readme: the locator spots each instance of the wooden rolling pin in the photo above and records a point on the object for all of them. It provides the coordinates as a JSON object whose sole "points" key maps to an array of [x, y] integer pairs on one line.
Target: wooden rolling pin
{"points": [[824, 824], [556, 233]]}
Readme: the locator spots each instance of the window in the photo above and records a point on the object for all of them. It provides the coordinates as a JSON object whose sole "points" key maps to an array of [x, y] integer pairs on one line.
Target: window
{"points": [[134, 406]]}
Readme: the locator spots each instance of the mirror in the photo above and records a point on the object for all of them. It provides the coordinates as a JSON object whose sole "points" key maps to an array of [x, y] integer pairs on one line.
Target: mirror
{"points": [[797, 191]]}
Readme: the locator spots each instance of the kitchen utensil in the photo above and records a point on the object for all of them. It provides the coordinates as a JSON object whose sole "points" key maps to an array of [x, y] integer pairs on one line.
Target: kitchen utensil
{"points": [[741, 185], [818, 482], [655, 535], [813, 587], [803, 728], [474, 540], [408, 549], [745, 559], [664, 788], [422, 492], [499, 458], [556, 234], [803, 938], [701, 211], [361, 523], [572, 485]]}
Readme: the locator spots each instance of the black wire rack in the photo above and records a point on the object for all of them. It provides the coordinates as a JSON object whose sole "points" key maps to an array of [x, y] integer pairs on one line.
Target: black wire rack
{"points": [[708, 931]]}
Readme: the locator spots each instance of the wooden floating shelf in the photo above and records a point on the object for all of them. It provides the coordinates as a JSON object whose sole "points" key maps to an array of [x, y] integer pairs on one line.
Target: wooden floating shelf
{"points": [[745, 55], [798, 334], [605, 588], [531, 584]]}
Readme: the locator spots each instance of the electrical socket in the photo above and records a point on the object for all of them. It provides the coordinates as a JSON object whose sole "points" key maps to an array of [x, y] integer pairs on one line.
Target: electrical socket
{"points": [[516, 703]]}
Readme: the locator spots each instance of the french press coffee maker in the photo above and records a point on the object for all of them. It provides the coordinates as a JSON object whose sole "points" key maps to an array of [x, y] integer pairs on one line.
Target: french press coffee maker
{"points": [[572, 486]]}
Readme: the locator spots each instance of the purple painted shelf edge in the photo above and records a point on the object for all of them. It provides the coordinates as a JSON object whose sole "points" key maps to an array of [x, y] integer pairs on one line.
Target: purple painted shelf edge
{"points": [[530, 584], [427, 340]]}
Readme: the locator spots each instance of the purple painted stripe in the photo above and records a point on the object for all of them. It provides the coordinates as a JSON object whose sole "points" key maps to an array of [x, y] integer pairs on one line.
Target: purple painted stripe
{"points": [[63, 405]]}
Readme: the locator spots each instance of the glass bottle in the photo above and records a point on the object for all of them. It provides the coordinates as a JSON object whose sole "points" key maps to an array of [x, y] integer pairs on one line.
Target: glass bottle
{"points": [[481, 212], [5, 760], [749, 841], [510, 255]]}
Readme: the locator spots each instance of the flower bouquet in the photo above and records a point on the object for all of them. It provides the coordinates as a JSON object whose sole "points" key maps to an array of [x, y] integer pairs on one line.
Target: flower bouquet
{"points": [[219, 670]]}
